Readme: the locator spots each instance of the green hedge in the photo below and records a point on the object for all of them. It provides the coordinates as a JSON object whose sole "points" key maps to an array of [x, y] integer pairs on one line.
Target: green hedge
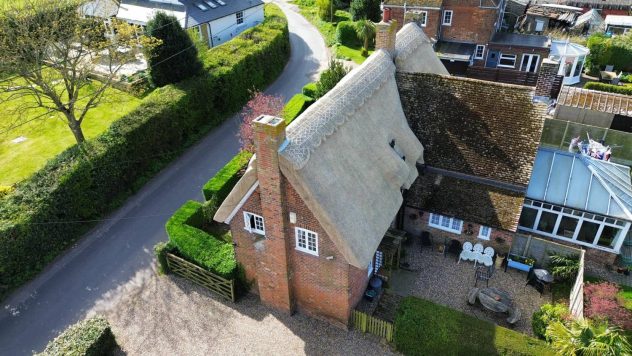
{"points": [[218, 187], [346, 34], [75, 187], [604, 50], [90, 337], [617, 89], [310, 89], [296, 106], [426, 328], [160, 250], [198, 246]]}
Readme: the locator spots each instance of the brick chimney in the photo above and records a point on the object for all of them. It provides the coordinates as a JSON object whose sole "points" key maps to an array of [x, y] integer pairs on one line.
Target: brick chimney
{"points": [[273, 275], [546, 79], [385, 32]]}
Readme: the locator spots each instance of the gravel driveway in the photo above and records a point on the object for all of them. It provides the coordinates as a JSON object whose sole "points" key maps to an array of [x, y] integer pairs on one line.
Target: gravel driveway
{"points": [[167, 315]]}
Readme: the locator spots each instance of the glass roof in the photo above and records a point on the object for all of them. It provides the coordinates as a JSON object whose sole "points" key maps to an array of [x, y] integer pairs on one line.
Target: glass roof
{"points": [[580, 182]]}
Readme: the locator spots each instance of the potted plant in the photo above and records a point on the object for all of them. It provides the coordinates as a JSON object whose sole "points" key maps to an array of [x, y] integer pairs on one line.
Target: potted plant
{"points": [[500, 259]]}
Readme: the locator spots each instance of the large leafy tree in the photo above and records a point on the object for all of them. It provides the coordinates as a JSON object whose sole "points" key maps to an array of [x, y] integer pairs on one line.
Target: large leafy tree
{"points": [[49, 54], [585, 338], [365, 9], [260, 104], [175, 59]]}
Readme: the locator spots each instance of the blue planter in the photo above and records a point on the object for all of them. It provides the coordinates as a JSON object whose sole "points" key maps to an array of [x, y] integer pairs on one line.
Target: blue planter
{"points": [[518, 265]]}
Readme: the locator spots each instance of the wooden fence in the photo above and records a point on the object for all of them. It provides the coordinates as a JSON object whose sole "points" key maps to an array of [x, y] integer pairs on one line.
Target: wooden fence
{"points": [[369, 324], [222, 286], [502, 75], [576, 300]]}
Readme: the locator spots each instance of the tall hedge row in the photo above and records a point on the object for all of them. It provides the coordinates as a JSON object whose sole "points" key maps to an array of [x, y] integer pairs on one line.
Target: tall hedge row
{"points": [[52, 209], [218, 187], [609, 88], [90, 337]]}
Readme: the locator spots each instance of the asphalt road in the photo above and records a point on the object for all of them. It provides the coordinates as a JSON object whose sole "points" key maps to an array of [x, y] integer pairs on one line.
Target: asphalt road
{"points": [[115, 250]]}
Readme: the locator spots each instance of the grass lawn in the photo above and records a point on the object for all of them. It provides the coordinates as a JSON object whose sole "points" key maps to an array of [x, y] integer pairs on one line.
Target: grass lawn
{"points": [[350, 53], [48, 136], [426, 328], [327, 29]]}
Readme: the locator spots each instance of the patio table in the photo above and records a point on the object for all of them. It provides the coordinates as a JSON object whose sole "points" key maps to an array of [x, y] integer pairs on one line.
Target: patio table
{"points": [[543, 275], [607, 76], [496, 300]]}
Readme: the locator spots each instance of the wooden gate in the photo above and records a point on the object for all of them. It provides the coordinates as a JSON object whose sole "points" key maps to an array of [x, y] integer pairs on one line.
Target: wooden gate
{"points": [[369, 324], [196, 274]]}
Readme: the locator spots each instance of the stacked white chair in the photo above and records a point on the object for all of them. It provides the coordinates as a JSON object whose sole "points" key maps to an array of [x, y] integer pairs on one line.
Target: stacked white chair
{"points": [[477, 252], [486, 258], [466, 254]]}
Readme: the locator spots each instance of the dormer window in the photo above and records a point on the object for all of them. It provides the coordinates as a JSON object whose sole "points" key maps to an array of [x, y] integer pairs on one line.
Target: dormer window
{"points": [[254, 223]]}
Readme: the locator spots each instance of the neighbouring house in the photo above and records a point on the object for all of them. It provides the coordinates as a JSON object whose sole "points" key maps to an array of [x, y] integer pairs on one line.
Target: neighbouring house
{"points": [[216, 21], [541, 18], [618, 24], [571, 57], [604, 7], [579, 200], [595, 108], [315, 203], [514, 9]]}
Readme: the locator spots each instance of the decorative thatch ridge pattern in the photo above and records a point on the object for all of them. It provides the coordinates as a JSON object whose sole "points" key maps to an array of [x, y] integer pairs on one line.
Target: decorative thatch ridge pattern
{"points": [[409, 38]]}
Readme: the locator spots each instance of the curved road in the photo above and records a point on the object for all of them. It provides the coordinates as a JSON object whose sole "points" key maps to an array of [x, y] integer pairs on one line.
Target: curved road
{"points": [[111, 254]]}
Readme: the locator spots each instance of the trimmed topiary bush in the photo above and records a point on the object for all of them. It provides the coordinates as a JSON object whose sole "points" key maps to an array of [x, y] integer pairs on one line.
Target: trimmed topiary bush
{"points": [[218, 187], [78, 186], [310, 89], [609, 88], [296, 106], [160, 250], [346, 34], [90, 337], [547, 314]]}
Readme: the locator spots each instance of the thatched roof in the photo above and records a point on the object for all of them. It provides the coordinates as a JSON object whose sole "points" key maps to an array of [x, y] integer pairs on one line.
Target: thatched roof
{"points": [[415, 53]]}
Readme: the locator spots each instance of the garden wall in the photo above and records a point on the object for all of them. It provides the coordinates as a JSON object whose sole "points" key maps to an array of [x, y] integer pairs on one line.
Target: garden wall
{"points": [[539, 249], [49, 211]]}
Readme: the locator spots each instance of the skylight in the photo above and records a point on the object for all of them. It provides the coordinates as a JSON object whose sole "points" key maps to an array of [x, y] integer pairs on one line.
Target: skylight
{"points": [[221, 2], [200, 6], [210, 3]]}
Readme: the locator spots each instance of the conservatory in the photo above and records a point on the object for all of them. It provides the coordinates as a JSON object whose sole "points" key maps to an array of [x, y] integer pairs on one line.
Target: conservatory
{"points": [[578, 199], [571, 57]]}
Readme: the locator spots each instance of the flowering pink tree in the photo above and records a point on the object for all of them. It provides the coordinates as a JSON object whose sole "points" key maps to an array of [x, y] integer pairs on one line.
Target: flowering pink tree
{"points": [[260, 104], [601, 301]]}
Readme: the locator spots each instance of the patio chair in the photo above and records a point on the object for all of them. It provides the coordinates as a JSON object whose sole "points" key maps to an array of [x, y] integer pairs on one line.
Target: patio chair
{"points": [[483, 273], [466, 253], [487, 257], [609, 68], [477, 253], [454, 247], [535, 282]]}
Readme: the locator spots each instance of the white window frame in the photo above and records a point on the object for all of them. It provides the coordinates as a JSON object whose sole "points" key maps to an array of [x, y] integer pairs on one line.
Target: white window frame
{"points": [[476, 56], [445, 13], [446, 223], [306, 249], [424, 16], [237, 17], [541, 23], [251, 229], [481, 232], [531, 56], [500, 58]]}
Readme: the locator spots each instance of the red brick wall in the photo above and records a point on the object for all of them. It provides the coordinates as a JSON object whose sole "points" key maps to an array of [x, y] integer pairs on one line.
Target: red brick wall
{"points": [[432, 21], [421, 224], [327, 289], [519, 51], [469, 23]]}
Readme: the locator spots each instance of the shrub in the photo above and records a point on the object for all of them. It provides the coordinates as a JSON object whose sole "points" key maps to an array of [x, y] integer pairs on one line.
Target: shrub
{"points": [[426, 328], [617, 89], [564, 267], [627, 78], [586, 337], [600, 301], [5, 190], [90, 337], [175, 59], [365, 9], [218, 187], [616, 51], [77, 186], [160, 250], [310, 90], [547, 314], [325, 9], [296, 106], [346, 34], [330, 77], [198, 246]]}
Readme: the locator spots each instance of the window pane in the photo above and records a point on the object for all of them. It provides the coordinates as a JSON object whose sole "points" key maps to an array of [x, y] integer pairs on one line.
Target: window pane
{"points": [[567, 227], [547, 222], [456, 224], [445, 221], [608, 236], [587, 232], [527, 218], [578, 68], [435, 219]]}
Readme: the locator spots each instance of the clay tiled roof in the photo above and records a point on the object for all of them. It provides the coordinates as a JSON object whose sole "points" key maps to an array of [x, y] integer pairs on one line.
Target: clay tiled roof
{"points": [[595, 100], [414, 3], [467, 200], [473, 127]]}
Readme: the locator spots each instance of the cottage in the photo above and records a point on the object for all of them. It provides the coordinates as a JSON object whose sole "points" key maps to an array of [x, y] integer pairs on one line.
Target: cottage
{"points": [[618, 24], [540, 18], [216, 21]]}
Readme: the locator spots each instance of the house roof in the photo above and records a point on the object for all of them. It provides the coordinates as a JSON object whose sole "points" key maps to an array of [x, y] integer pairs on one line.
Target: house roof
{"points": [[555, 12], [580, 182], [188, 12], [619, 20], [456, 51], [520, 39], [474, 127], [415, 3], [617, 104], [562, 48], [466, 199], [591, 17], [339, 159], [410, 45]]}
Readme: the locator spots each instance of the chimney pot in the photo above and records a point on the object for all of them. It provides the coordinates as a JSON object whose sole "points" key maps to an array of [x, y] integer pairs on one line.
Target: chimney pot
{"points": [[386, 17]]}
